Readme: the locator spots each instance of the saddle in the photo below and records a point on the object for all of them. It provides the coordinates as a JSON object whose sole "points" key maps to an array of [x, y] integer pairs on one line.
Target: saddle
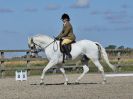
{"points": [[63, 51]]}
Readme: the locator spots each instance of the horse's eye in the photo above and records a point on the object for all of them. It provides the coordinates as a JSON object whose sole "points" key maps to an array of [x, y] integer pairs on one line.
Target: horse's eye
{"points": [[32, 47]]}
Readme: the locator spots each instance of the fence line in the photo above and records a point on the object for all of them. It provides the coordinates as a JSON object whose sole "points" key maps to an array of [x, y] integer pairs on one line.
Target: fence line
{"points": [[3, 59], [28, 59]]}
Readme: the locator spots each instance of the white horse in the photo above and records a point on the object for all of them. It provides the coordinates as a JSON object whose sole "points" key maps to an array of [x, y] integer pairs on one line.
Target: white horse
{"points": [[84, 47]]}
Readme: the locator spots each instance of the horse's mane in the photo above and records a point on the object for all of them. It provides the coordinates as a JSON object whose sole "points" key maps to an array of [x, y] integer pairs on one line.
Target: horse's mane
{"points": [[45, 37], [42, 35]]}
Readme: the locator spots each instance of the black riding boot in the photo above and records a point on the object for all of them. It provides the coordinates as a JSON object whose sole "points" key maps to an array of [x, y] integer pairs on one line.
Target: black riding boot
{"points": [[67, 52]]}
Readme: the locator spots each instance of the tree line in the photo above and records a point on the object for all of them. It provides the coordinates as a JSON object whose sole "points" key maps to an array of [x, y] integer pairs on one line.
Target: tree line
{"points": [[116, 47]]}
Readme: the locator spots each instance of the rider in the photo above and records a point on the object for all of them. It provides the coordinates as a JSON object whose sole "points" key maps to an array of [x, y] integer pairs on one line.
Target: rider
{"points": [[67, 36]]}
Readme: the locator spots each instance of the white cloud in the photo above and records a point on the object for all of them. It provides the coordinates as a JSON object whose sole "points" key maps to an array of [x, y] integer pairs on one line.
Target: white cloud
{"points": [[81, 4], [6, 10], [53, 7], [31, 10]]}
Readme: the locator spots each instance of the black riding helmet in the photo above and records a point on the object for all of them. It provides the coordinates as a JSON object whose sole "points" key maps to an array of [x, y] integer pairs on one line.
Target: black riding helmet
{"points": [[65, 16]]}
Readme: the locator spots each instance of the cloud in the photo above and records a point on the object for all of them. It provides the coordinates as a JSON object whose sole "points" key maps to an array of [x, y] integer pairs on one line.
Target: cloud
{"points": [[8, 32], [109, 12], [6, 10], [81, 4], [31, 10], [95, 29], [125, 6], [114, 17], [121, 22], [126, 28], [106, 29], [117, 16], [53, 7], [95, 12]]}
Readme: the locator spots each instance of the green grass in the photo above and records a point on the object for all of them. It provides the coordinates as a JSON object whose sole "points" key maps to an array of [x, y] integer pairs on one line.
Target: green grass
{"points": [[22, 64]]}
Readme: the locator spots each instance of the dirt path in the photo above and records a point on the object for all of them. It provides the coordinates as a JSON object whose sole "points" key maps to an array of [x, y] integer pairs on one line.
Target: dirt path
{"points": [[90, 87]]}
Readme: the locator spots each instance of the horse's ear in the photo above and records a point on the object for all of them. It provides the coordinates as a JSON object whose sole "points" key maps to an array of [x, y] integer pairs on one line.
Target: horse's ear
{"points": [[30, 40]]}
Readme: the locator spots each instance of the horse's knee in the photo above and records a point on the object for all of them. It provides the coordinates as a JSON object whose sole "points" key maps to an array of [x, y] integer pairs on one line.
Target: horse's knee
{"points": [[62, 70], [44, 70], [101, 68], [85, 68]]}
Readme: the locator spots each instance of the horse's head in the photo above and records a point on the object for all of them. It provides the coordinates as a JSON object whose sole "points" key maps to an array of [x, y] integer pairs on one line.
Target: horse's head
{"points": [[33, 47], [38, 43]]}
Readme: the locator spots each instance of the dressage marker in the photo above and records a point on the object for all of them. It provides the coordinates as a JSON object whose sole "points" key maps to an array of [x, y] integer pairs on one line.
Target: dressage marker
{"points": [[21, 75], [119, 75]]}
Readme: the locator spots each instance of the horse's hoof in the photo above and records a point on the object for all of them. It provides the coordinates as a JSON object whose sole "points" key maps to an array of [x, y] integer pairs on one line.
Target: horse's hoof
{"points": [[76, 83], [115, 69], [66, 83], [104, 82], [41, 83]]}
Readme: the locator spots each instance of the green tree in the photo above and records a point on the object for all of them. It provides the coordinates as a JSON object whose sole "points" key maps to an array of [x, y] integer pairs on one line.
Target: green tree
{"points": [[111, 47], [121, 47]]}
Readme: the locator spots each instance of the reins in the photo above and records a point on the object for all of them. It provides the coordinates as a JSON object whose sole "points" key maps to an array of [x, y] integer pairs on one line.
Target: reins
{"points": [[46, 46], [49, 44]]}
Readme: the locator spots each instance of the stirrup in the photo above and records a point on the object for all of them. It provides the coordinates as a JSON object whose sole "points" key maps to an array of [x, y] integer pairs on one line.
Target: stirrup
{"points": [[68, 57]]}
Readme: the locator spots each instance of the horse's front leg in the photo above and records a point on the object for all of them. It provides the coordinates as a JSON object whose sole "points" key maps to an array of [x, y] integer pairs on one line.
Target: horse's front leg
{"points": [[49, 65]]}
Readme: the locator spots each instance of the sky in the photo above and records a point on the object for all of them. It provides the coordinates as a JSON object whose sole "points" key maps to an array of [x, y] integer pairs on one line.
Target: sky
{"points": [[109, 22]]}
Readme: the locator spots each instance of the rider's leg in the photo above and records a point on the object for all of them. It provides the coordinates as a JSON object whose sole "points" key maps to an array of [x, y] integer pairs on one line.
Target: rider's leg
{"points": [[67, 51], [65, 43]]}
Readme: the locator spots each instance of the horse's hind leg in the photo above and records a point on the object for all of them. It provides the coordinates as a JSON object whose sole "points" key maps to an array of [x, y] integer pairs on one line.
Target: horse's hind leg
{"points": [[84, 61], [85, 70], [100, 67]]}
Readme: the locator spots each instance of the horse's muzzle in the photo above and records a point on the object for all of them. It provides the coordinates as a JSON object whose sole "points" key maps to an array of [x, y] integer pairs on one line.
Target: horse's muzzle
{"points": [[34, 53]]}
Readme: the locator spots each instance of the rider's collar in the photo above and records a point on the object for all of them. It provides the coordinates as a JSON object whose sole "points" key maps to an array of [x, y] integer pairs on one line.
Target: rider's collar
{"points": [[65, 23]]}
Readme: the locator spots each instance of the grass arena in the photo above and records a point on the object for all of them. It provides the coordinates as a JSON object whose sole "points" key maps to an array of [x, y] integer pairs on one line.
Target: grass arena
{"points": [[90, 87]]}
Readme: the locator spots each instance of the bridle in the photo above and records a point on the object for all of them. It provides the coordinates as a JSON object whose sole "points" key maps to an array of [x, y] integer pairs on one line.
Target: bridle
{"points": [[41, 47]]}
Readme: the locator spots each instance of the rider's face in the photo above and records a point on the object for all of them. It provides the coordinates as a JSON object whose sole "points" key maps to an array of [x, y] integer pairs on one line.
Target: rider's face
{"points": [[64, 20]]}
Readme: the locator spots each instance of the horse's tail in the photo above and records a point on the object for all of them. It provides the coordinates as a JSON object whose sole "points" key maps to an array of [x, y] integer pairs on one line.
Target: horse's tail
{"points": [[105, 56]]}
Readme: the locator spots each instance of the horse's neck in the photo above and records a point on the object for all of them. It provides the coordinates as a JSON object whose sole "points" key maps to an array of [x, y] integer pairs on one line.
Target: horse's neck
{"points": [[43, 41]]}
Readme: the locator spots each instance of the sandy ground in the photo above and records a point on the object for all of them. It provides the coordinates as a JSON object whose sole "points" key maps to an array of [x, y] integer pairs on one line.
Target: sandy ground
{"points": [[90, 87]]}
